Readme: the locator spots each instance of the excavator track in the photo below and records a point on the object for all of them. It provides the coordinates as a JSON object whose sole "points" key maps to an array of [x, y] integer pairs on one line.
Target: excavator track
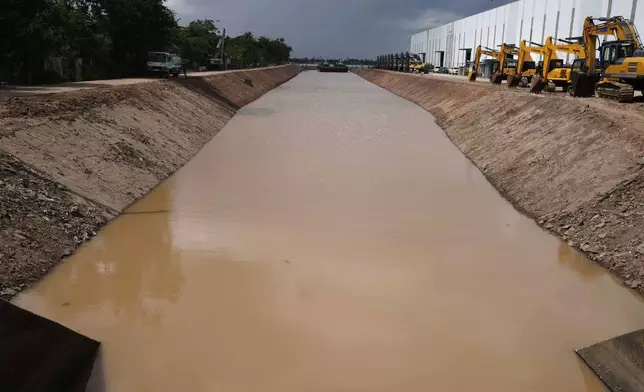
{"points": [[620, 92]]}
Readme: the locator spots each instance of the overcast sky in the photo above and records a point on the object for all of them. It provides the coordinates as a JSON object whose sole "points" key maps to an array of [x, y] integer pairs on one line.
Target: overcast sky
{"points": [[333, 28]]}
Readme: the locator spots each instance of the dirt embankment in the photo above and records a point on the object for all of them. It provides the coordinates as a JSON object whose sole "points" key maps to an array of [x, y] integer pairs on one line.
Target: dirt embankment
{"points": [[69, 162], [575, 165]]}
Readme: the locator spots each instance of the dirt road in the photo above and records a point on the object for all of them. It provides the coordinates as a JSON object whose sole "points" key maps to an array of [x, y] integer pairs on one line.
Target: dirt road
{"points": [[7, 92]]}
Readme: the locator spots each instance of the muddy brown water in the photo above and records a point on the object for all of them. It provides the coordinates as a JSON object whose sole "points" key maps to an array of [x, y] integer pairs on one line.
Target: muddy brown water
{"points": [[331, 238]]}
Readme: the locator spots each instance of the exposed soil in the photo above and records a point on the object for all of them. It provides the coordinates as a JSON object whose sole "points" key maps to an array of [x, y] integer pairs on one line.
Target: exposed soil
{"points": [[575, 165], [71, 161], [40, 223]]}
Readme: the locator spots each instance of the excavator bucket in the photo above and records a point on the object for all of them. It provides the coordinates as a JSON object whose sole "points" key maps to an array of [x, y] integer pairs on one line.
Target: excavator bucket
{"points": [[513, 80], [583, 85], [537, 84], [497, 78], [471, 76]]}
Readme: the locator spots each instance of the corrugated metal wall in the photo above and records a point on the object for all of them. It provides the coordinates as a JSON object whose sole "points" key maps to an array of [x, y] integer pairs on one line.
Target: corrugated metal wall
{"points": [[532, 20]]}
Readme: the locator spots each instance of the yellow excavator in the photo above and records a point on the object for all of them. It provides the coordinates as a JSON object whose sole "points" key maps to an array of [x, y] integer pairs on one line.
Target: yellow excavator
{"points": [[526, 66], [553, 73], [620, 69], [507, 64], [558, 75], [505, 53], [477, 60]]}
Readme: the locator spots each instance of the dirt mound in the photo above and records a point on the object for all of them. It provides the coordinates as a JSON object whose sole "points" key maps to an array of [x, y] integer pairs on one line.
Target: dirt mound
{"points": [[575, 165], [71, 161]]}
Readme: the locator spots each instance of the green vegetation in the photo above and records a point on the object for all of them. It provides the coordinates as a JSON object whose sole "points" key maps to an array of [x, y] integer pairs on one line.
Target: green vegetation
{"points": [[199, 43], [48, 41]]}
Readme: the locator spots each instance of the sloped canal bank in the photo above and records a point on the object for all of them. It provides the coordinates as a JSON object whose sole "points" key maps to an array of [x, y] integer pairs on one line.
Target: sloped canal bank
{"points": [[331, 237]]}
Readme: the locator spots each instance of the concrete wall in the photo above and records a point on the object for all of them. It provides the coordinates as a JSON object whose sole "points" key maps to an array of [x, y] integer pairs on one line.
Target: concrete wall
{"points": [[532, 20]]}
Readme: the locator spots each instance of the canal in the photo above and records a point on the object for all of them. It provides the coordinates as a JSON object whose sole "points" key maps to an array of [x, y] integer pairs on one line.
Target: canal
{"points": [[331, 238]]}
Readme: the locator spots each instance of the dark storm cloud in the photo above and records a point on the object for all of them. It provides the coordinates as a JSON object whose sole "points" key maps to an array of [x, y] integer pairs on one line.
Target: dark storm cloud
{"points": [[333, 28]]}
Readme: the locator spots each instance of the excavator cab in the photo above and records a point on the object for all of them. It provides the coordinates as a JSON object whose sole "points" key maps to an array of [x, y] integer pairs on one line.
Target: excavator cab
{"points": [[528, 65], [556, 63], [614, 53], [558, 74], [620, 64]]}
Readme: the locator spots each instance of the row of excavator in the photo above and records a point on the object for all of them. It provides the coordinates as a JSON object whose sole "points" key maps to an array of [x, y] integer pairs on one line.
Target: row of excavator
{"points": [[403, 62], [616, 74]]}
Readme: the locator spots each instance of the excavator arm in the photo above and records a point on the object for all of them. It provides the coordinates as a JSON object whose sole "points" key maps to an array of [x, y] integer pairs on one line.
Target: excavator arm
{"points": [[570, 48], [523, 55], [549, 55]]}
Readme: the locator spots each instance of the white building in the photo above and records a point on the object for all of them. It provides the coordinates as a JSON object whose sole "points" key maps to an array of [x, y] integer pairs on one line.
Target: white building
{"points": [[454, 44]]}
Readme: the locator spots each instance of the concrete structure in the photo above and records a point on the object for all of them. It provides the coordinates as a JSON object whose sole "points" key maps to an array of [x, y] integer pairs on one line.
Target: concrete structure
{"points": [[454, 44]]}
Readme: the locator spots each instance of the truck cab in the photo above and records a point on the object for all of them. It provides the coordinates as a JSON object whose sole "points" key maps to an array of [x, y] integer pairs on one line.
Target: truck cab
{"points": [[164, 64]]}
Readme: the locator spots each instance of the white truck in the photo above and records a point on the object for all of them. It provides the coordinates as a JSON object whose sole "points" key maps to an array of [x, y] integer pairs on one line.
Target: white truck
{"points": [[164, 64]]}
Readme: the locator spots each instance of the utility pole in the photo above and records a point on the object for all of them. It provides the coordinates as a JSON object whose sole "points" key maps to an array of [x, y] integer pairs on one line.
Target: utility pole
{"points": [[223, 45]]}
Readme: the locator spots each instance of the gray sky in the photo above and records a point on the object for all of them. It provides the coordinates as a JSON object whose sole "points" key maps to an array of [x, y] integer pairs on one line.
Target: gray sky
{"points": [[333, 28]]}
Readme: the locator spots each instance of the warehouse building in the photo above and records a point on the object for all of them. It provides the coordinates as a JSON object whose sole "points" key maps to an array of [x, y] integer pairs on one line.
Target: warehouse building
{"points": [[454, 44]]}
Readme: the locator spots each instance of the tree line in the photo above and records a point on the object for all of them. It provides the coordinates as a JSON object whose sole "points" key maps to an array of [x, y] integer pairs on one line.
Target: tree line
{"points": [[48, 41]]}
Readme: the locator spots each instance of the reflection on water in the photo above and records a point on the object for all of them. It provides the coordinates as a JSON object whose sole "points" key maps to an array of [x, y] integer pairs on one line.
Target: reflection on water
{"points": [[579, 263], [340, 243], [119, 275]]}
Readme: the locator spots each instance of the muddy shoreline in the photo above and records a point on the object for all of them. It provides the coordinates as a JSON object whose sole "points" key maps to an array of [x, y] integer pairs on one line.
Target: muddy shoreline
{"points": [[576, 166], [70, 162]]}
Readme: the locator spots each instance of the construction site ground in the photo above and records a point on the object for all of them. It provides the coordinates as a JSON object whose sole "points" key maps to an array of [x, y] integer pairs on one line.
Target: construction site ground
{"points": [[576, 165]]}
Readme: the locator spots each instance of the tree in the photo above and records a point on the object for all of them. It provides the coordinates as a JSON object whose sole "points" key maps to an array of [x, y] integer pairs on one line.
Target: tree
{"points": [[198, 42], [247, 51], [137, 27], [112, 39]]}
